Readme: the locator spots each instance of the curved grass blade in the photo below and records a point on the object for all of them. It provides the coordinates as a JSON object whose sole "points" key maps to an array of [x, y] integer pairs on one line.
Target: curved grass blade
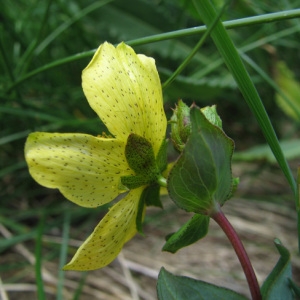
{"points": [[295, 13], [59, 30], [196, 48], [235, 65], [63, 255], [38, 260]]}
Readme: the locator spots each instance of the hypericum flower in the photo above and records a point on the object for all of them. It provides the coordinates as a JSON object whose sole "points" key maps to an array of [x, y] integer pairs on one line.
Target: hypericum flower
{"points": [[124, 89]]}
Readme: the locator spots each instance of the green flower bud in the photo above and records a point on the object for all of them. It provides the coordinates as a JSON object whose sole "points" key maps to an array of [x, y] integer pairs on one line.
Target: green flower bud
{"points": [[180, 125]]}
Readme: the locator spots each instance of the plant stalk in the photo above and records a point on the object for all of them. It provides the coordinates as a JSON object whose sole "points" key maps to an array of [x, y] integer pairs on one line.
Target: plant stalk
{"points": [[240, 251], [266, 18]]}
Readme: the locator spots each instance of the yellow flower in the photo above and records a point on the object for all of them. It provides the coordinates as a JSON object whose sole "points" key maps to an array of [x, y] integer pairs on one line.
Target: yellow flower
{"points": [[124, 89]]}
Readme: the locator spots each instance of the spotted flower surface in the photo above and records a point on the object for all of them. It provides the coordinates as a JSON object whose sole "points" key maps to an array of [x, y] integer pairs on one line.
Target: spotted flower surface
{"points": [[124, 89]]}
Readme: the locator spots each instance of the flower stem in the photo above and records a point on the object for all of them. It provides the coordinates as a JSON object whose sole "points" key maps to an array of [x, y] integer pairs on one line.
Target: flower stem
{"points": [[240, 251]]}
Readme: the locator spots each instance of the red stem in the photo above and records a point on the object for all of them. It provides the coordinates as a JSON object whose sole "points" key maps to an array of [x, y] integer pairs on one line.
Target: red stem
{"points": [[240, 251]]}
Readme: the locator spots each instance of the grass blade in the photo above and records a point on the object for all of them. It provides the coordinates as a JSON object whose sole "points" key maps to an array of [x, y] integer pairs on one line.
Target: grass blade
{"points": [[38, 262], [295, 13], [235, 65], [59, 30], [63, 255], [195, 50]]}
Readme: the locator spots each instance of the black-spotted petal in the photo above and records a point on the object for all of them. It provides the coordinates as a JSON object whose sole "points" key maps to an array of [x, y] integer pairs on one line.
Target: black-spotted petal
{"points": [[124, 89], [86, 169], [105, 243]]}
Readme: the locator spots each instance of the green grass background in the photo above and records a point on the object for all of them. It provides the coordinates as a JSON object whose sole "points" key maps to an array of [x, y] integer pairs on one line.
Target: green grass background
{"points": [[44, 45]]}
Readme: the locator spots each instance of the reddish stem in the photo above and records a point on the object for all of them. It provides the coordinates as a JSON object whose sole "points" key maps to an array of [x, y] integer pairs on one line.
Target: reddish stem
{"points": [[240, 251]]}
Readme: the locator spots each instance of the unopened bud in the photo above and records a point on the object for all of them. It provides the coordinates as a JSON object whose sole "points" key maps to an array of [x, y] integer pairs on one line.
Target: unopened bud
{"points": [[180, 125]]}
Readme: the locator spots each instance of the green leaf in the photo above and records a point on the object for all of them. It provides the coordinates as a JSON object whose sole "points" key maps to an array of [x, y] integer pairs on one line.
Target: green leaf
{"points": [[133, 181], [235, 65], [202, 175], [172, 287], [290, 103], [277, 284], [210, 112], [192, 231]]}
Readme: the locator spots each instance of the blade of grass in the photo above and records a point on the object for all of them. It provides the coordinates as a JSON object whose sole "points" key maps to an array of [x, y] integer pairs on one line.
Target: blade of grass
{"points": [[235, 65], [295, 13], [12, 168], [50, 127], [271, 82], [38, 260], [25, 60], [5, 59], [195, 49], [12, 137], [3, 294], [255, 20], [59, 30], [80, 286], [28, 113], [259, 43], [239, 72], [63, 255], [7, 63], [6, 243]]}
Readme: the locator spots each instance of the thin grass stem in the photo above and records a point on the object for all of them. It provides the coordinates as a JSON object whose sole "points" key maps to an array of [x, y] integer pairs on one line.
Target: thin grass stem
{"points": [[38, 260], [235, 65], [63, 254], [195, 49], [289, 14]]}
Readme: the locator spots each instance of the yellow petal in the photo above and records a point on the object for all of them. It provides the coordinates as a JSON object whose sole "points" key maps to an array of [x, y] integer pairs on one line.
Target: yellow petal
{"points": [[125, 91], [86, 169], [105, 243]]}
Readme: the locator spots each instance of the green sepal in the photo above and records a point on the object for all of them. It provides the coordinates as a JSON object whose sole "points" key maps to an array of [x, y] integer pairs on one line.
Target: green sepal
{"points": [[152, 196], [192, 231], [141, 159], [180, 125], [161, 158], [277, 284], [173, 287], [140, 156], [140, 214], [149, 197], [134, 181], [202, 177]]}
